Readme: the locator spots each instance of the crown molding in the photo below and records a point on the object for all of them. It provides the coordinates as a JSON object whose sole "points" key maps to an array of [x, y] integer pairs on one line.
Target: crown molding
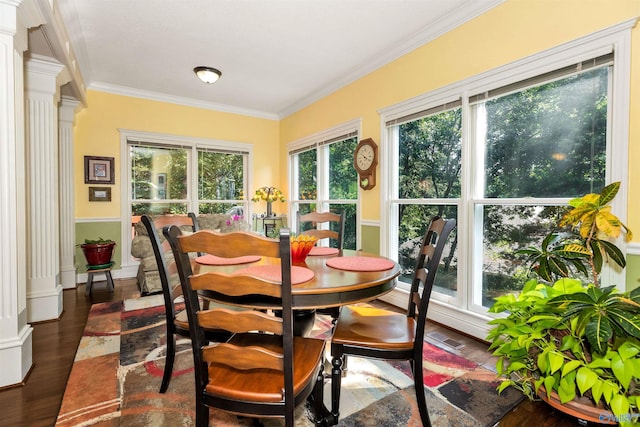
{"points": [[189, 102], [465, 12]]}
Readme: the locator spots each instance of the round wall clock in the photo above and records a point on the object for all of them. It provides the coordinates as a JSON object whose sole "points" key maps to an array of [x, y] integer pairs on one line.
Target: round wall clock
{"points": [[365, 160]]}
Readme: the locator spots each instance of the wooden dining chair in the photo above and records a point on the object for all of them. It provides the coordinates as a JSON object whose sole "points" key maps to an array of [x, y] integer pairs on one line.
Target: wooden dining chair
{"points": [[383, 334], [263, 370], [176, 320], [311, 224]]}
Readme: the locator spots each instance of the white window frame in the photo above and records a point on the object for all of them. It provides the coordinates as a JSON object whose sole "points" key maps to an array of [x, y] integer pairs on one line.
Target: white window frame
{"points": [[192, 143], [314, 142], [460, 312]]}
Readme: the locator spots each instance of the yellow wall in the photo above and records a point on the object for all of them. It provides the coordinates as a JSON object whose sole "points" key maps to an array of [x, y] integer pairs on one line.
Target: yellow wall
{"points": [[511, 31], [96, 134]]}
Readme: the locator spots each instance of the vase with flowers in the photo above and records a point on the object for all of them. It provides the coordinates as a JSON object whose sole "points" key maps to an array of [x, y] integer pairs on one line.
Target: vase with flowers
{"points": [[237, 223], [269, 195]]}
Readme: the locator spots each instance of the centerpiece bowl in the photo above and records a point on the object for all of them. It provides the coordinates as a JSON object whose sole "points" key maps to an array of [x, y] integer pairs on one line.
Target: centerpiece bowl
{"points": [[300, 247]]}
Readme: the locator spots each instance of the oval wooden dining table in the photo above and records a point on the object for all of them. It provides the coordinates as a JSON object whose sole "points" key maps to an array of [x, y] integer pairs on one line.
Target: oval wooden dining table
{"points": [[329, 287]]}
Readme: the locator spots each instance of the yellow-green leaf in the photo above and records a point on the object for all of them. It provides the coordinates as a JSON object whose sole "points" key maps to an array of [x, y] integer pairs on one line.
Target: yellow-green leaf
{"points": [[622, 370], [596, 390], [566, 395], [555, 361], [503, 385], [570, 366], [549, 382], [620, 405], [585, 379], [607, 222]]}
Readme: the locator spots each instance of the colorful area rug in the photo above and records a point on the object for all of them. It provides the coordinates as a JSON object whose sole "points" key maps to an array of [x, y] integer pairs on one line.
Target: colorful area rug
{"points": [[118, 368]]}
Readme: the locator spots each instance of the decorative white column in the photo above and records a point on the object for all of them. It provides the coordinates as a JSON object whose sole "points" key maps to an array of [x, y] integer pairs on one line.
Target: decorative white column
{"points": [[15, 332], [66, 114], [44, 291]]}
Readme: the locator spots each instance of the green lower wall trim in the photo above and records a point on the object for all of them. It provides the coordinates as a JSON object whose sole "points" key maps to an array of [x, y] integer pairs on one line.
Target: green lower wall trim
{"points": [[93, 231], [371, 239], [633, 272]]}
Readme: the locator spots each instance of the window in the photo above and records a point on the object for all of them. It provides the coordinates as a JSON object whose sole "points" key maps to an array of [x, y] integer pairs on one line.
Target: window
{"points": [[176, 175], [502, 154], [429, 151], [324, 179]]}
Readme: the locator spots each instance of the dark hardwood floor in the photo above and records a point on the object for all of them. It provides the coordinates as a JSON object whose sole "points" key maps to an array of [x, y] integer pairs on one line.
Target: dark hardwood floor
{"points": [[36, 403]]}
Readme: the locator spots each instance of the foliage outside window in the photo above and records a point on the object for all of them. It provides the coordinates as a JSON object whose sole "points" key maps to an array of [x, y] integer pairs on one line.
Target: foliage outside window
{"points": [[162, 179], [324, 179], [531, 149]]}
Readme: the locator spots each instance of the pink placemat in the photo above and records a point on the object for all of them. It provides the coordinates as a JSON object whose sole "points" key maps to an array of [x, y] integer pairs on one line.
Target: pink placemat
{"points": [[360, 263], [274, 274], [216, 260], [322, 251]]}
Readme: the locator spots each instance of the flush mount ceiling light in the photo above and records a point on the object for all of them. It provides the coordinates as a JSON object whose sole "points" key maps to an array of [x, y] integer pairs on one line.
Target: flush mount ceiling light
{"points": [[207, 74]]}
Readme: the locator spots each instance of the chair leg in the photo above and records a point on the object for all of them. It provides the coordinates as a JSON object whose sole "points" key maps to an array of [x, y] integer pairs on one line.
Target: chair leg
{"points": [[169, 360], [418, 382], [202, 414], [317, 399], [336, 379]]}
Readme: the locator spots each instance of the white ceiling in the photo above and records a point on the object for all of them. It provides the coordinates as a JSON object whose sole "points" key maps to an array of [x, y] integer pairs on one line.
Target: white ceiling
{"points": [[276, 56]]}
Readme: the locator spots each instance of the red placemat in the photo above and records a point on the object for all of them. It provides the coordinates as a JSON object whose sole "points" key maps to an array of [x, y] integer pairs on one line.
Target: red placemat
{"points": [[216, 260], [322, 251], [360, 263], [274, 273]]}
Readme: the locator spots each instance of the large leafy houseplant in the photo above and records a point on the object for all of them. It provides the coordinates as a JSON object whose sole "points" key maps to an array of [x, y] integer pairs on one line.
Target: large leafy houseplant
{"points": [[567, 335]]}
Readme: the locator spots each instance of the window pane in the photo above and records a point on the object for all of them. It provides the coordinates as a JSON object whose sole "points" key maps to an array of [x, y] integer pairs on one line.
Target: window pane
{"points": [[228, 208], [220, 176], [535, 136], [429, 156], [158, 173], [349, 238], [343, 178], [305, 208], [158, 208], [414, 220], [507, 229], [307, 175]]}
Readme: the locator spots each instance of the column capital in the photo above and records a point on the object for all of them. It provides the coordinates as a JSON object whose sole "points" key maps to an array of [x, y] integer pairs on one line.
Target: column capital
{"points": [[67, 109], [43, 74]]}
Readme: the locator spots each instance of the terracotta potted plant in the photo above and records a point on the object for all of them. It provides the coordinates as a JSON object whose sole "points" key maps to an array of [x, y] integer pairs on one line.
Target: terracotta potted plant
{"points": [[564, 338], [98, 252]]}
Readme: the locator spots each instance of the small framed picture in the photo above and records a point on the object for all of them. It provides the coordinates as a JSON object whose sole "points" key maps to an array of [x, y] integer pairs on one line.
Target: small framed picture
{"points": [[98, 170], [99, 194]]}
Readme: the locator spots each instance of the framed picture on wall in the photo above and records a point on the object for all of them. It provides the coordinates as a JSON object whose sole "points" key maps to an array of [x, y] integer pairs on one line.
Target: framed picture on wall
{"points": [[99, 194], [98, 170]]}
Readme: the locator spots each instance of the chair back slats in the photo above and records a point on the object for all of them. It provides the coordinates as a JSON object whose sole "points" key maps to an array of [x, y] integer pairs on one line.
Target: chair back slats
{"points": [[416, 297], [240, 321], [321, 234], [235, 284], [229, 245], [318, 218], [244, 358], [429, 257], [161, 221], [237, 375]]}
